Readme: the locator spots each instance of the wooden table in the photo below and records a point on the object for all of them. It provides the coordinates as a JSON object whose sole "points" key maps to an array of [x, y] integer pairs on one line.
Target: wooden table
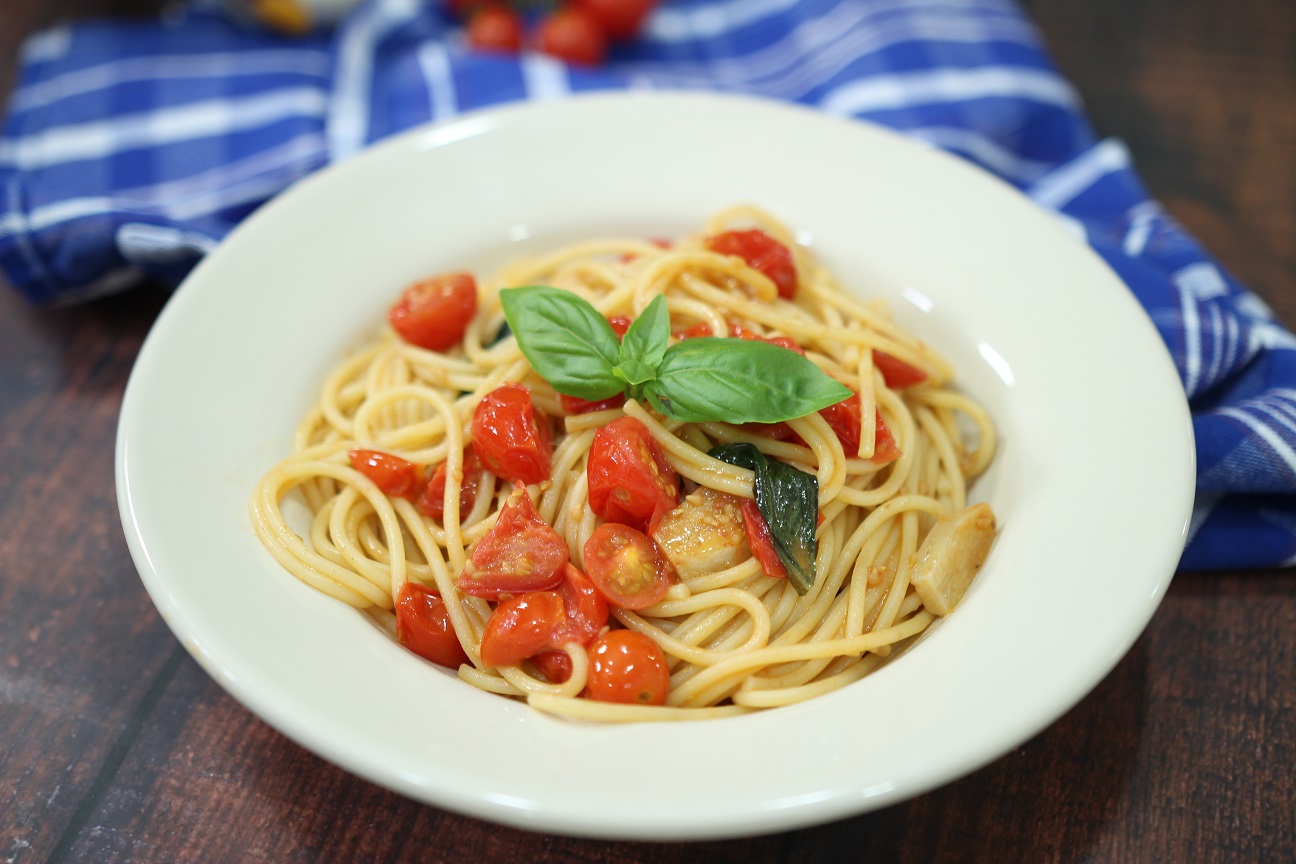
{"points": [[115, 746]]}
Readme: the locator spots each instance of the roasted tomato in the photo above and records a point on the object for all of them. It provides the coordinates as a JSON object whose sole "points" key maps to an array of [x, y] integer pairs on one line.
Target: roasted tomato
{"points": [[761, 252], [896, 372], [621, 19], [626, 666], [844, 418], [423, 626], [522, 626], [630, 480], [761, 541], [553, 665], [520, 553], [495, 29], [587, 610], [511, 437], [574, 35], [885, 448], [626, 566], [395, 476], [434, 313], [432, 501], [738, 331]]}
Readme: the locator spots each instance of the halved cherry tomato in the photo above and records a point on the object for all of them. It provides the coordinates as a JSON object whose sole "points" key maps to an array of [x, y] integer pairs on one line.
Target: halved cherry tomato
{"points": [[694, 331], [576, 405], [511, 437], [573, 35], [554, 665], [896, 372], [495, 29], [885, 448], [620, 324], [393, 475], [434, 313], [587, 611], [423, 626], [519, 553], [761, 541], [740, 332], [521, 627], [621, 19], [432, 501], [626, 566], [630, 480], [844, 418], [761, 252], [626, 666]]}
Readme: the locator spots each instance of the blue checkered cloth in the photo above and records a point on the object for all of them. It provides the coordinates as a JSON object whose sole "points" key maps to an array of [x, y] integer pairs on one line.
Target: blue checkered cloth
{"points": [[131, 149]]}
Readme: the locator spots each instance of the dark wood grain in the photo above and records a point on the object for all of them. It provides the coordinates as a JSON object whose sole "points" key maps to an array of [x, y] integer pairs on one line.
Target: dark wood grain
{"points": [[116, 746]]}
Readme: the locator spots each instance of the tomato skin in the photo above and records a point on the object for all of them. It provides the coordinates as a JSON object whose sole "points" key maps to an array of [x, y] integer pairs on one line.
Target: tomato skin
{"points": [[626, 666], [626, 566], [621, 19], [495, 29], [844, 418], [576, 405], [740, 332], [574, 35], [629, 479], [519, 553], [423, 626], [761, 541], [885, 448], [434, 313], [896, 372], [511, 437], [432, 501], [393, 475], [521, 627], [761, 252], [586, 608], [554, 665], [620, 324]]}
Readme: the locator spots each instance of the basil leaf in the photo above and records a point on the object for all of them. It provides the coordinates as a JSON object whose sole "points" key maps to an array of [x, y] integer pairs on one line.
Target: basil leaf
{"points": [[646, 340], [565, 340], [739, 381], [788, 499]]}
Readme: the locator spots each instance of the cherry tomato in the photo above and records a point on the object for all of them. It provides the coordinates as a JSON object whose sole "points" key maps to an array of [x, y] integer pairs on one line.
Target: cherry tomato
{"points": [[761, 541], [620, 324], [761, 252], [626, 666], [574, 35], [519, 553], [434, 313], [393, 475], [432, 501], [626, 566], [495, 29], [630, 480], [522, 626], [587, 611], [554, 665], [621, 19], [885, 448], [423, 626], [740, 332], [844, 418], [695, 331], [511, 437], [897, 373]]}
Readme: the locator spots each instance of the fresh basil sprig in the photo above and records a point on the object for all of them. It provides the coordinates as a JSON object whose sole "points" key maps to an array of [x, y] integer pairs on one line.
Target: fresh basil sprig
{"points": [[788, 498], [574, 348]]}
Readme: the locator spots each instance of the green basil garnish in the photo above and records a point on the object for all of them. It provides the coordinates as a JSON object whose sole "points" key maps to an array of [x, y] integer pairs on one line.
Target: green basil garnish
{"points": [[573, 347], [788, 499]]}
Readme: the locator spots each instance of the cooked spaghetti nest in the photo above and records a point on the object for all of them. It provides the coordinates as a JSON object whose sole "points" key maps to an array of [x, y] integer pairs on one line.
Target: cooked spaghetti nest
{"points": [[736, 639]]}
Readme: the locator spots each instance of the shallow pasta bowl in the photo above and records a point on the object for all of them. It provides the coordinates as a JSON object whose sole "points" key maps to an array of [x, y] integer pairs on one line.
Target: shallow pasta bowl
{"points": [[1093, 513]]}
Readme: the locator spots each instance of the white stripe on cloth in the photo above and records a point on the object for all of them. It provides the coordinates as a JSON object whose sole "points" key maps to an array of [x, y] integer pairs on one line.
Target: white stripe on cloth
{"points": [[209, 66], [1062, 186], [909, 89], [1142, 219], [982, 149], [544, 77], [1265, 433], [708, 22], [348, 116], [434, 64], [102, 138], [1191, 326]]}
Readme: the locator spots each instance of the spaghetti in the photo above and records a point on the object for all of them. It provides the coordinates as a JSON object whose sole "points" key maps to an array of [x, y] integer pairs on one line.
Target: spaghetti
{"points": [[896, 541]]}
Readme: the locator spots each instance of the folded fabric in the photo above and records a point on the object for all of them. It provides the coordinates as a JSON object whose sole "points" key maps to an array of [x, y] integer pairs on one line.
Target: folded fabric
{"points": [[131, 149]]}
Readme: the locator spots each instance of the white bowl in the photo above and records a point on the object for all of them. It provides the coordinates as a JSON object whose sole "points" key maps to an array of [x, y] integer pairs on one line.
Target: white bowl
{"points": [[1092, 486]]}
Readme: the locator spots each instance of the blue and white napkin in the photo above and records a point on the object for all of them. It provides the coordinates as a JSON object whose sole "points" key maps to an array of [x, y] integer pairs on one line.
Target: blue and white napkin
{"points": [[131, 149]]}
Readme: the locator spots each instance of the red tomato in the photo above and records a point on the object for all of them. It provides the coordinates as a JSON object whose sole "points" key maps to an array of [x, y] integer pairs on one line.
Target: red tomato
{"points": [[554, 665], [761, 252], [630, 480], [432, 501], [576, 405], [897, 373], [521, 627], [423, 626], [761, 541], [519, 553], [620, 324], [621, 19], [511, 437], [587, 611], [740, 332], [844, 418], [885, 448], [434, 313], [626, 566], [391, 474], [695, 331], [574, 35], [496, 29], [626, 666]]}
